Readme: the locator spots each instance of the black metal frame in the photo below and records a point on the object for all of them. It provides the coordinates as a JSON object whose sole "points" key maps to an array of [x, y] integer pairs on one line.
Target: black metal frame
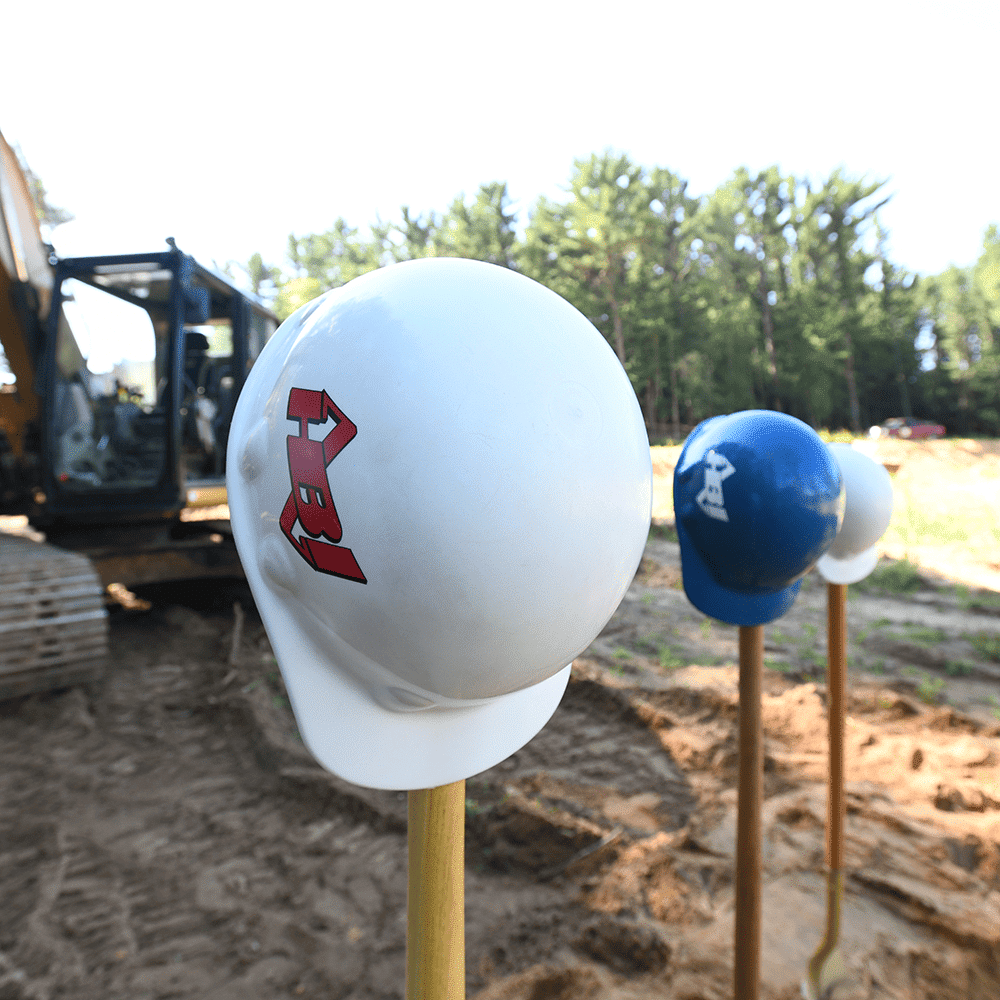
{"points": [[163, 501]]}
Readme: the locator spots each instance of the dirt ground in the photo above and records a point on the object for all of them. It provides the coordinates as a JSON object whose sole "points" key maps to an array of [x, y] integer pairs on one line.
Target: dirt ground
{"points": [[165, 834]]}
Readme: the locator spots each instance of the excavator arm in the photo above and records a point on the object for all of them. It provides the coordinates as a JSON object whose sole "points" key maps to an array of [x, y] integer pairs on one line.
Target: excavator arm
{"points": [[53, 625], [26, 280]]}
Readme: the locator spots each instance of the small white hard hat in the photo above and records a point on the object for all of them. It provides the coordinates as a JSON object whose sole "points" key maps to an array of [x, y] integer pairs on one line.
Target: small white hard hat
{"points": [[854, 553], [440, 487]]}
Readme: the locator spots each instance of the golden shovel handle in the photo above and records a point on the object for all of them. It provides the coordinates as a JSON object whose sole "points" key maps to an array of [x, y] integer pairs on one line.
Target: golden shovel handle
{"points": [[435, 904], [820, 965], [834, 887]]}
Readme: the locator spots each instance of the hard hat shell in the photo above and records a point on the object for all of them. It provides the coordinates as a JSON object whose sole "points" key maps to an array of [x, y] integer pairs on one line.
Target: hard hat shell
{"points": [[440, 488], [854, 552], [758, 499]]}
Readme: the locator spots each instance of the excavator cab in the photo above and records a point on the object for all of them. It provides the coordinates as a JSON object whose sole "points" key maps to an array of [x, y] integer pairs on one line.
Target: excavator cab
{"points": [[145, 357]]}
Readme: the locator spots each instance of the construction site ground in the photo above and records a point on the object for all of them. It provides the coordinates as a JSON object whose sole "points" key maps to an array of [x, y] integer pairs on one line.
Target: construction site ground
{"points": [[165, 834]]}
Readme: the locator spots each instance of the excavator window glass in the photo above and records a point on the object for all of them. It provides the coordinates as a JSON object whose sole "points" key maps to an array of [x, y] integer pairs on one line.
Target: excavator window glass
{"points": [[261, 329], [6, 375], [111, 374], [208, 396]]}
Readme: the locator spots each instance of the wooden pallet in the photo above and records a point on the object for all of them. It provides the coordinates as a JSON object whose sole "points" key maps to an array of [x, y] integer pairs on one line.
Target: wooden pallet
{"points": [[53, 624]]}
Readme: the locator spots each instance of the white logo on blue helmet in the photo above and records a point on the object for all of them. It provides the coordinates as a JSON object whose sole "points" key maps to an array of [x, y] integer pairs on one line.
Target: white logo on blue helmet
{"points": [[710, 499], [745, 546]]}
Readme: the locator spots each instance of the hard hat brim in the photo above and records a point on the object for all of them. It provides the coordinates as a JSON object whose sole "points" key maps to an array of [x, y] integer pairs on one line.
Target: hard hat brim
{"points": [[359, 740], [377, 748], [844, 571], [714, 600]]}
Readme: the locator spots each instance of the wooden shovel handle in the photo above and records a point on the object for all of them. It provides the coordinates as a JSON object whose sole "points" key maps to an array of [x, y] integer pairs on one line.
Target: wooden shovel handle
{"points": [[836, 687], [750, 794], [836, 698], [435, 904]]}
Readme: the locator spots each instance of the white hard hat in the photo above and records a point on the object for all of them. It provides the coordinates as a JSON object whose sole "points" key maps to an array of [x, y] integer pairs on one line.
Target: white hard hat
{"points": [[440, 488], [854, 553]]}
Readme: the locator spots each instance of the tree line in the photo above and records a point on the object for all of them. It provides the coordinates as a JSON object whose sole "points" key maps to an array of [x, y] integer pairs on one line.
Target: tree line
{"points": [[772, 292]]}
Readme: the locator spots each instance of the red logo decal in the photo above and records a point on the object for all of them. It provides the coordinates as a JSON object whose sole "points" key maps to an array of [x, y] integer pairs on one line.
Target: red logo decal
{"points": [[310, 503]]}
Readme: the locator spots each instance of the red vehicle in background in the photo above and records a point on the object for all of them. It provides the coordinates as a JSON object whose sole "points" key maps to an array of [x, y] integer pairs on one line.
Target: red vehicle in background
{"points": [[908, 427]]}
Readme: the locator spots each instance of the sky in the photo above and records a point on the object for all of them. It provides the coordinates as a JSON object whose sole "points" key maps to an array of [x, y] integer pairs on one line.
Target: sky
{"points": [[229, 128]]}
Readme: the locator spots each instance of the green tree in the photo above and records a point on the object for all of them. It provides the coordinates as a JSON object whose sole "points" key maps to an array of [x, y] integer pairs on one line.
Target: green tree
{"points": [[483, 230], [48, 215], [961, 307], [415, 235], [846, 204], [668, 321], [745, 223], [262, 279], [321, 261], [769, 292], [986, 279], [587, 248]]}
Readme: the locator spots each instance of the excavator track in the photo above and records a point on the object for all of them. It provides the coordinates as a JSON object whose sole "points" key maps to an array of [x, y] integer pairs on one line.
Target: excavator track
{"points": [[53, 624]]}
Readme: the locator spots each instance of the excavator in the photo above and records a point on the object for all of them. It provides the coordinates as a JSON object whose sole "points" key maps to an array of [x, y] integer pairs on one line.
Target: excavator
{"points": [[118, 378]]}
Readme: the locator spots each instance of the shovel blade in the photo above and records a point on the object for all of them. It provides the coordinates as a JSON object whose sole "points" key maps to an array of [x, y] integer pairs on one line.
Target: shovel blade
{"points": [[824, 976]]}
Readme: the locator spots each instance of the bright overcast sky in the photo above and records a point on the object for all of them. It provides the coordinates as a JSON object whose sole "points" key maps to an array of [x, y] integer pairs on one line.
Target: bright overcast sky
{"points": [[228, 128]]}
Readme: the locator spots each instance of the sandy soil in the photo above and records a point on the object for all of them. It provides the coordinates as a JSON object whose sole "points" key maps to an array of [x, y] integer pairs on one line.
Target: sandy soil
{"points": [[165, 835]]}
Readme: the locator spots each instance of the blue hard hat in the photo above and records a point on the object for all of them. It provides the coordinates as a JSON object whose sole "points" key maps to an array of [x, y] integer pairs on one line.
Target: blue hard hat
{"points": [[758, 499]]}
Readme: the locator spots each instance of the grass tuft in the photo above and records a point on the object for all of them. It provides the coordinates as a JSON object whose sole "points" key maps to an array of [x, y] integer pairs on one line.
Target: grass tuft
{"points": [[923, 635], [987, 646], [984, 600], [929, 689], [900, 577], [665, 531], [669, 660]]}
